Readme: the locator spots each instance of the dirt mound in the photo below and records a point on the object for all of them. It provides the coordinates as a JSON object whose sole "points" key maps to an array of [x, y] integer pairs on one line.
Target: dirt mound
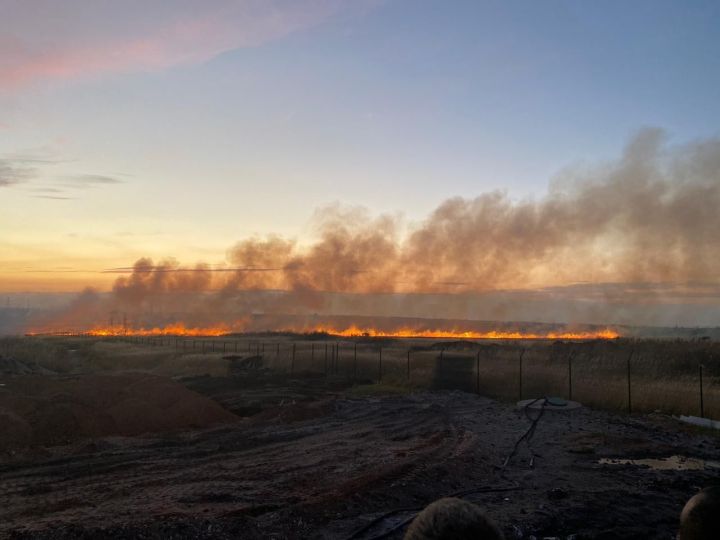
{"points": [[41, 410]]}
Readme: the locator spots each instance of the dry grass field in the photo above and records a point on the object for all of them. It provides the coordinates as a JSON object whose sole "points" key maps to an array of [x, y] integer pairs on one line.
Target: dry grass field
{"points": [[663, 375]]}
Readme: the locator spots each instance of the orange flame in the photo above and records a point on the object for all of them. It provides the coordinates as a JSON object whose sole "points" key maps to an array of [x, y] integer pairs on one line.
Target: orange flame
{"points": [[180, 329], [354, 331], [175, 329]]}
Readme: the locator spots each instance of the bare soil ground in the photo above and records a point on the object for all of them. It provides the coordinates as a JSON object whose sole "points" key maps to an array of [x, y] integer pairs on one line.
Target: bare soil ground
{"points": [[313, 457], [46, 410]]}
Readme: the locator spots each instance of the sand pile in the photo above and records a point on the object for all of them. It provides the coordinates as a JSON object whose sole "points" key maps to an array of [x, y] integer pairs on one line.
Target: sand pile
{"points": [[41, 410]]}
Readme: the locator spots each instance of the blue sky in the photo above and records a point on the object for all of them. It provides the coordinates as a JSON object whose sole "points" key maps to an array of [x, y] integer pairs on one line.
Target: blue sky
{"points": [[245, 122]]}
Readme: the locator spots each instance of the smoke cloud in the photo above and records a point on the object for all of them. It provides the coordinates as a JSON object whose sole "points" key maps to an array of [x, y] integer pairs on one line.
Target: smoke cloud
{"points": [[640, 229], [649, 217]]}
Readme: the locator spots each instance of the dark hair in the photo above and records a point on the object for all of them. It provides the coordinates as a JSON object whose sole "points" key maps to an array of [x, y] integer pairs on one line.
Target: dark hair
{"points": [[700, 518], [455, 519]]}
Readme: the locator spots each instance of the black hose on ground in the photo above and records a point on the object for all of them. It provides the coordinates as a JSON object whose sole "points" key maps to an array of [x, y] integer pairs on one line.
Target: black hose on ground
{"points": [[527, 437]]}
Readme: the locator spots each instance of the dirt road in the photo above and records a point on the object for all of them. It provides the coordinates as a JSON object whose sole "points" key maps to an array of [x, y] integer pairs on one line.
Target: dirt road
{"points": [[323, 463]]}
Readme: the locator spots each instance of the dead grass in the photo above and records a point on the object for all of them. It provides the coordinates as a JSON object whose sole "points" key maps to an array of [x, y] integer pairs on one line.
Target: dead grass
{"points": [[664, 374], [90, 355]]}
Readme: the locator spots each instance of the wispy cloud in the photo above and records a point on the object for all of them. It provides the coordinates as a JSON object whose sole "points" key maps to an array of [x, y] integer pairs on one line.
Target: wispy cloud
{"points": [[50, 40], [54, 197], [89, 180], [32, 172], [13, 173]]}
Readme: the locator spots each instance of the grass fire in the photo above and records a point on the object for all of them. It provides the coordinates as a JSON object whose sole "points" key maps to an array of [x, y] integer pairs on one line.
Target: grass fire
{"points": [[181, 330], [359, 270]]}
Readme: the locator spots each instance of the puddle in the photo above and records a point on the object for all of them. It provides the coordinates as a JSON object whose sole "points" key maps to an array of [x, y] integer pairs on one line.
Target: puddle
{"points": [[672, 463]]}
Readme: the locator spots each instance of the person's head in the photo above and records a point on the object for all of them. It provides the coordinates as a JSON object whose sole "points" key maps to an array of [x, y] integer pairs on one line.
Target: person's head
{"points": [[455, 519], [700, 518]]}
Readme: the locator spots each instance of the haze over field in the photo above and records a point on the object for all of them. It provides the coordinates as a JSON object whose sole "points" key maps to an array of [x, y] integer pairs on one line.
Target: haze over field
{"points": [[475, 160]]}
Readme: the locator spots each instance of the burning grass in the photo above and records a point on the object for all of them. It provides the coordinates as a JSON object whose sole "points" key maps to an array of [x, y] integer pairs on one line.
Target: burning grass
{"points": [[351, 331]]}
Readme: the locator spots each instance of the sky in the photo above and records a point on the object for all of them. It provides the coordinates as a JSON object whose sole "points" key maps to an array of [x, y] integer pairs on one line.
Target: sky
{"points": [[179, 128]]}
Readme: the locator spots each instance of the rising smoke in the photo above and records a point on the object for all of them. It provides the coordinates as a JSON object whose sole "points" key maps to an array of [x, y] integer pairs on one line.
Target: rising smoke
{"points": [[650, 217], [645, 227]]}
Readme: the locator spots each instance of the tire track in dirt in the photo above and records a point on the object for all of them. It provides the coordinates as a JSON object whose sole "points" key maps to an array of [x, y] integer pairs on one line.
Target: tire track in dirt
{"points": [[227, 469], [324, 476]]}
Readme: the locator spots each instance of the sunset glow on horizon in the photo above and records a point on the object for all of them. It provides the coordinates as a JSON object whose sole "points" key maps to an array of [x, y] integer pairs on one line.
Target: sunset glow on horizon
{"points": [[372, 147]]}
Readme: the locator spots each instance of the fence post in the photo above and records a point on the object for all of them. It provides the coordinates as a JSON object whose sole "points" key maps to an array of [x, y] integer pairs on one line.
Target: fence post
{"points": [[292, 362], [224, 346], [408, 365], [629, 381], [236, 346], [355, 362], [702, 401], [520, 374], [477, 372], [380, 366], [440, 366], [570, 359], [277, 352], [326, 359]]}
